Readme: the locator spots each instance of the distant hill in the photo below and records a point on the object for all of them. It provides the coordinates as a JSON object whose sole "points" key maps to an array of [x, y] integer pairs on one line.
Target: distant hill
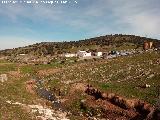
{"points": [[97, 43]]}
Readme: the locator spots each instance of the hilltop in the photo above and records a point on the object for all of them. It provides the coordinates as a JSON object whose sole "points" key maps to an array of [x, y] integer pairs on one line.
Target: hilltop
{"points": [[98, 43]]}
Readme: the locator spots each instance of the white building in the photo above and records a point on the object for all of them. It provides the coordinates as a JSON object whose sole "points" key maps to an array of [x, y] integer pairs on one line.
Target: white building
{"points": [[99, 54], [22, 54], [84, 54], [70, 55]]}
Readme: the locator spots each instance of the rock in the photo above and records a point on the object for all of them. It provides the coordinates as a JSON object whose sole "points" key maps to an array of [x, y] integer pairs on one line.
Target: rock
{"points": [[148, 86], [151, 76], [3, 77], [104, 95], [111, 96], [145, 86], [131, 103], [148, 107]]}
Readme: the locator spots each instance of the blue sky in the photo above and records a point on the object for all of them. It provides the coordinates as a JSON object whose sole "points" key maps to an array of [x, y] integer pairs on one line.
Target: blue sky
{"points": [[24, 24]]}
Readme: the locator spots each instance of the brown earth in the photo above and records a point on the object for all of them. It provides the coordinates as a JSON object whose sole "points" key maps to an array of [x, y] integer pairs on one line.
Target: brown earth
{"points": [[30, 85], [109, 110], [15, 74], [77, 87], [117, 107]]}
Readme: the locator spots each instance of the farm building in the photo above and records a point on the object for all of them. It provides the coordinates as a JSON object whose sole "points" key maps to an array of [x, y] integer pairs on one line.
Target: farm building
{"points": [[70, 55], [99, 54], [148, 45], [84, 54], [22, 54]]}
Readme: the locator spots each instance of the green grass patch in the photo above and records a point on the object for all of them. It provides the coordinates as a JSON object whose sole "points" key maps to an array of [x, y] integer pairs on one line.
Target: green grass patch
{"points": [[7, 68]]}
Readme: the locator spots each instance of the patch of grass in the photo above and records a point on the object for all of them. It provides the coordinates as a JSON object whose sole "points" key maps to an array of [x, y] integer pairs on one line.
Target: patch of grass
{"points": [[13, 112], [7, 67], [32, 69], [15, 90], [106, 86], [3, 61], [28, 69]]}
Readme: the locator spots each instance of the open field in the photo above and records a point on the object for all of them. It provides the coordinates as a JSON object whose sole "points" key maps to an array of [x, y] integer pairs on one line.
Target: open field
{"points": [[124, 76]]}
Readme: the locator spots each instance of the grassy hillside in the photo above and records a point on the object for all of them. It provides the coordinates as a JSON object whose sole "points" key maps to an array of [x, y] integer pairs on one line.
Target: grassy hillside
{"points": [[123, 75]]}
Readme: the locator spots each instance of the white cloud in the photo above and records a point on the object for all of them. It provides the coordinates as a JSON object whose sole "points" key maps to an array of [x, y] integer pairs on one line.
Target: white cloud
{"points": [[140, 17]]}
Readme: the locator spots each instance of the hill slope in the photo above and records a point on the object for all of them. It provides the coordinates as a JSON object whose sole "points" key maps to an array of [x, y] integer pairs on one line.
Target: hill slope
{"points": [[123, 76], [101, 43]]}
